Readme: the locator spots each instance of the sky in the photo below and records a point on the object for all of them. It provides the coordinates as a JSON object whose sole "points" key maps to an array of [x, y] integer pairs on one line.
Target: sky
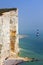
{"points": [[30, 14]]}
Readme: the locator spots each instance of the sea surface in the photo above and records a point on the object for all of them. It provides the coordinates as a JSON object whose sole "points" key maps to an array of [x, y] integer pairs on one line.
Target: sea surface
{"points": [[32, 47]]}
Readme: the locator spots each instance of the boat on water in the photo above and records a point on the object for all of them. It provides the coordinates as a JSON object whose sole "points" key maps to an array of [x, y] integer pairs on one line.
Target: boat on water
{"points": [[37, 33]]}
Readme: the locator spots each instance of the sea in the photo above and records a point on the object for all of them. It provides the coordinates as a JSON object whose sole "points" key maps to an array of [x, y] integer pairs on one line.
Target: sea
{"points": [[32, 47]]}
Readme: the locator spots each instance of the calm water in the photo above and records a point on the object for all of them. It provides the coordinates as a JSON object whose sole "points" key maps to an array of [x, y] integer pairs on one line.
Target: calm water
{"points": [[32, 47]]}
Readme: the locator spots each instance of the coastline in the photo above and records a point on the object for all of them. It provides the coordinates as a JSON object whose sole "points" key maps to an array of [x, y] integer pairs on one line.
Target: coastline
{"points": [[18, 60]]}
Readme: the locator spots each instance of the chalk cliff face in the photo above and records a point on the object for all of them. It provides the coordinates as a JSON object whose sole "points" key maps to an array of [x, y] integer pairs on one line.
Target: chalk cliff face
{"points": [[8, 33]]}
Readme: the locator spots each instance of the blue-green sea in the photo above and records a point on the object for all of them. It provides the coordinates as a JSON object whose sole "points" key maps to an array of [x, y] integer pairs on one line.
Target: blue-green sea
{"points": [[32, 47]]}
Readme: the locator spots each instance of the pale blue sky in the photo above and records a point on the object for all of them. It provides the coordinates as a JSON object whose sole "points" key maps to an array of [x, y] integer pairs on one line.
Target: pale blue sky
{"points": [[30, 13]]}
